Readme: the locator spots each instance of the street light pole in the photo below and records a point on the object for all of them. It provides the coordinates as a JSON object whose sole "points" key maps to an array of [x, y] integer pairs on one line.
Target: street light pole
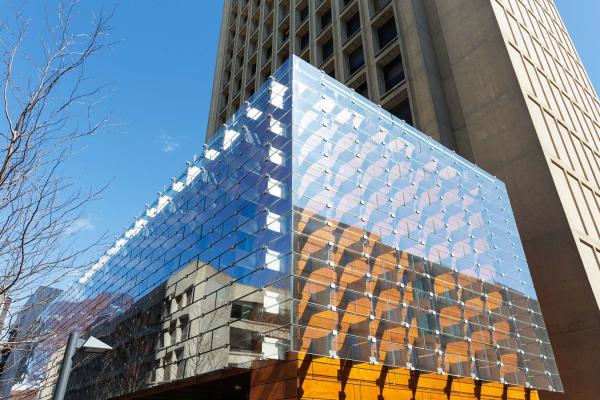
{"points": [[91, 345]]}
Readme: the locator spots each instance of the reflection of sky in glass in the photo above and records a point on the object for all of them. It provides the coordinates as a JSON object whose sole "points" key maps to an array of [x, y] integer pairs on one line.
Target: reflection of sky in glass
{"points": [[380, 231], [383, 176]]}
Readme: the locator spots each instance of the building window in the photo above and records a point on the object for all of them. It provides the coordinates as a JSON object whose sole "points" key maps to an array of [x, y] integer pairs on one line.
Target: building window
{"points": [[326, 50], [362, 89], [283, 10], [284, 33], [352, 25], [268, 52], [402, 111], [330, 70], [244, 309], [304, 41], [325, 19], [171, 335], [379, 4], [180, 366], [303, 13], [393, 73], [386, 33], [224, 98], [184, 326], [355, 60]]}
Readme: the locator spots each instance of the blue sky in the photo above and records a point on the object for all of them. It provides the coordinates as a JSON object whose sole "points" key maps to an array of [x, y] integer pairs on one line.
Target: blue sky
{"points": [[161, 76], [581, 19]]}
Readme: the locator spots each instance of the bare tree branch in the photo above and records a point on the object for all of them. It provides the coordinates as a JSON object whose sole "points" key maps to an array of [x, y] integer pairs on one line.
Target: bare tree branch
{"points": [[49, 104]]}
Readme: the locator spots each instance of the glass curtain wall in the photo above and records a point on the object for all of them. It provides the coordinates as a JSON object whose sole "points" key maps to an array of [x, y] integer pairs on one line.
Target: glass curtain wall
{"points": [[313, 221]]}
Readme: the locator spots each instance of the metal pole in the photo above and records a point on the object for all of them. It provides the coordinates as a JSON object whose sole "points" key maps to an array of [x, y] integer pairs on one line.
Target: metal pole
{"points": [[65, 367]]}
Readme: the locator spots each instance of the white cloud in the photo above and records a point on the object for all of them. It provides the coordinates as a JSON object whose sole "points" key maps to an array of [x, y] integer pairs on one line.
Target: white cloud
{"points": [[167, 142], [80, 225]]}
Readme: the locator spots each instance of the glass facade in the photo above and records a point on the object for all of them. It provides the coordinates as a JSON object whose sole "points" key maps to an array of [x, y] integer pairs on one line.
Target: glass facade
{"points": [[313, 221]]}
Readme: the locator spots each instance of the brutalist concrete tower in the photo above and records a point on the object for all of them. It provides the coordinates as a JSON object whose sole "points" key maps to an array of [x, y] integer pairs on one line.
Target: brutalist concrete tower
{"points": [[499, 82]]}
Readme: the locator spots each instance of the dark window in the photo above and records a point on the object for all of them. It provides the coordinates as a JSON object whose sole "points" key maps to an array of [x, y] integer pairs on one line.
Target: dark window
{"points": [[303, 41], [393, 73], [303, 13], [285, 33], [352, 25], [402, 111], [386, 33], [325, 19], [346, 2], [379, 4], [362, 89], [283, 58], [327, 49], [355, 60], [244, 340], [330, 71], [253, 69], [268, 52], [244, 309]]}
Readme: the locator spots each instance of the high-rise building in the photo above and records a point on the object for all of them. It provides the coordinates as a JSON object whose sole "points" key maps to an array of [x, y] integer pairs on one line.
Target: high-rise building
{"points": [[319, 248], [499, 82]]}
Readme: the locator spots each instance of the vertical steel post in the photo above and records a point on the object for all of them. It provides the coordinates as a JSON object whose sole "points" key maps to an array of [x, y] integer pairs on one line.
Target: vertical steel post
{"points": [[65, 366]]}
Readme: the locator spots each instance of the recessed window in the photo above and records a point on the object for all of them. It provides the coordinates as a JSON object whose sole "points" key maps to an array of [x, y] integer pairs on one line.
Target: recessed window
{"points": [[386, 33], [326, 50], [268, 28], [224, 98], [303, 13], [379, 4], [325, 19], [304, 41], [352, 25], [283, 10], [268, 52], [330, 70], [356, 60], [392, 73], [253, 69], [362, 89], [402, 111], [285, 33]]}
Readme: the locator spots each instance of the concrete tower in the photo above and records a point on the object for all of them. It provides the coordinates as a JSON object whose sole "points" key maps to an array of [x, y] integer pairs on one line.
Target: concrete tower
{"points": [[498, 81]]}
